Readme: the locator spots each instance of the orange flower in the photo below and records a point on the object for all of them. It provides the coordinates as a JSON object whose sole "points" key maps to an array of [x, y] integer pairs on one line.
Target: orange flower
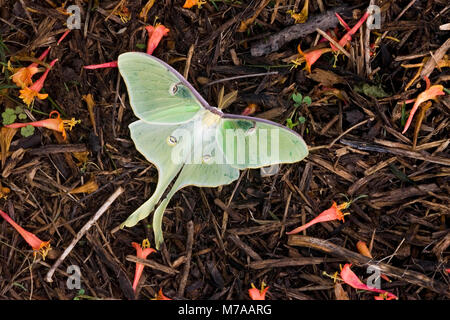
{"points": [[256, 294], [28, 94], [39, 246], [155, 35], [333, 213], [56, 124], [161, 296], [190, 3], [350, 278], [141, 252], [22, 77], [309, 57], [428, 94]]}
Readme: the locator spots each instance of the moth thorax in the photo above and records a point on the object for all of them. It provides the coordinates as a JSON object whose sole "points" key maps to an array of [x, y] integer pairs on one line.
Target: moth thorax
{"points": [[210, 119]]}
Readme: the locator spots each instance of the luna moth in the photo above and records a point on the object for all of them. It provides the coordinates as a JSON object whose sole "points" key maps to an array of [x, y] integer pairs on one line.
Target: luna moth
{"points": [[191, 142]]}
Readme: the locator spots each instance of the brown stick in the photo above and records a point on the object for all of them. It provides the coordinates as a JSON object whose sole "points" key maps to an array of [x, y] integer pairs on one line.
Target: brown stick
{"points": [[323, 21], [187, 265], [289, 262], [412, 277], [58, 148], [82, 232], [153, 265], [366, 146], [437, 56], [245, 247]]}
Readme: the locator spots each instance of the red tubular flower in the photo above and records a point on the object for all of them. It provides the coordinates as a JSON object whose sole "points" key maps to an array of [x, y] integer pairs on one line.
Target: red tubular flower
{"points": [[333, 213], [428, 94], [155, 35], [256, 294], [39, 246], [310, 57], [348, 36], [141, 252], [353, 281], [56, 124], [63, 36], [28, 94], [343, 23], [22, 77], [112, 64]]}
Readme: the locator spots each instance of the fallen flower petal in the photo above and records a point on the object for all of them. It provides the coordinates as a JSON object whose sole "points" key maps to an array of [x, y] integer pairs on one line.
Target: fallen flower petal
{"points": [[161, 296], [112, 64], [6, 135], [333, 213], [428, 94], [190, 3], [350, 278], [155, 35], [4, 191], [28, 94], [88, 187], [256, 294], [146, 9], [250, 109], [141, 252], [56, 124], [22, 77], [89, 99], [302, 16], [362, 248], [39, 246], [385, 296]]}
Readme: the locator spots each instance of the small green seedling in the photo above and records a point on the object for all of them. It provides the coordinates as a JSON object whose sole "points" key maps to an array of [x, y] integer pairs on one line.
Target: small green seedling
{"points": [[27, 131], [10, 116], [298, 101]]}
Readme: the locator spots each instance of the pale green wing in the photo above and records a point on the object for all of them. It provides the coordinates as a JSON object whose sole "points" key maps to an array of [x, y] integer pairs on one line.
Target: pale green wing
{"points": [[254, 143], [203, 168], [158, 143], [157, 92], [199, 175]]}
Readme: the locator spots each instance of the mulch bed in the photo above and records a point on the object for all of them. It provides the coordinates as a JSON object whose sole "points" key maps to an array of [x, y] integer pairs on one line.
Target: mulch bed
{"points": [[218, 241]]}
